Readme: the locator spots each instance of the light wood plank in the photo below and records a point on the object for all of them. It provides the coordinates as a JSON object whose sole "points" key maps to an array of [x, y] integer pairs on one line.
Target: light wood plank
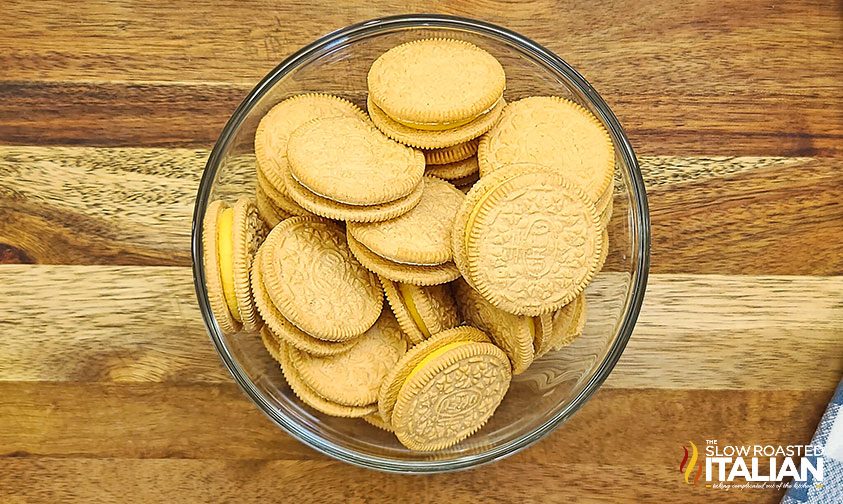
{"points": [[216, 421], [141, 324]]}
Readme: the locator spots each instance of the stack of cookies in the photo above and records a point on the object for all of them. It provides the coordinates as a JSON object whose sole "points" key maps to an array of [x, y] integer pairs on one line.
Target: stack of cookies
{"points": [[479, 222]]}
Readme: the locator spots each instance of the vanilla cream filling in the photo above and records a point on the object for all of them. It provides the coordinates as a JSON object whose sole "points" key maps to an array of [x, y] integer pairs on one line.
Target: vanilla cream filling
{"points": [[410, 305], [441, 126], [225, 252]]}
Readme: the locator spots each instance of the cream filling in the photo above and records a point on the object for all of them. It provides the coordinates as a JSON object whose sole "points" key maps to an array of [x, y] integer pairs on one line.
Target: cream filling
{"points": [[410, 305], [429, 357], [225, 252], [441, 126]]}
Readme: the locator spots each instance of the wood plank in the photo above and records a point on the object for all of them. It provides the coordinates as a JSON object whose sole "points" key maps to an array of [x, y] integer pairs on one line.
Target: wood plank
{"points": [[140, 324], [86, 205], [215, 421], [133, 206], [615, 44], [146, 481], [114, 114], [111, 93], [193, 114], [785, 219]]}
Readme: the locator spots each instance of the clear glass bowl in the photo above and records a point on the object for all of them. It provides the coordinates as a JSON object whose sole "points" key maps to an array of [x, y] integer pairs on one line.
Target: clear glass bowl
{"points": [[554, 387]]}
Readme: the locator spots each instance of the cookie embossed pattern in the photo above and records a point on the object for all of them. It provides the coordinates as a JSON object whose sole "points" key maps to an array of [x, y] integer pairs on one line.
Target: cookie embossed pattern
{"points": [[484, 345]]}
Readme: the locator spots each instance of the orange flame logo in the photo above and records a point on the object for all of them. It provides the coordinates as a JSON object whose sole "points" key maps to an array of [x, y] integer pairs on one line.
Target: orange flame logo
{"points": [[687, 467]]}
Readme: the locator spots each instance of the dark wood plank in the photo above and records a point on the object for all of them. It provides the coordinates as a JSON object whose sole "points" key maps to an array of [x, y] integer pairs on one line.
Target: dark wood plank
{"points": [[703, 79], [146, 481]]}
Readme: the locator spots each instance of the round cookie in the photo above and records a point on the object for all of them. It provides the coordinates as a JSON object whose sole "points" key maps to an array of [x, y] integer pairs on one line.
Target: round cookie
{"points": [[270, 214], [350, 213], [527, 239], [555, 132], [316, 283], [421, 311], [279, 196], [395, 378], [310, 397], [353, 378], [604, 252], [435, 84], [544, 334], [451, 396], [451, 154], [282, 328], [376, 420], [249, 233], [274, 130], [434, 139], [466, 183], [404, 273], [422, 236], [270, 342], [213, 276], [568, 322], [454, 171], [348, 160], [514, 334]]}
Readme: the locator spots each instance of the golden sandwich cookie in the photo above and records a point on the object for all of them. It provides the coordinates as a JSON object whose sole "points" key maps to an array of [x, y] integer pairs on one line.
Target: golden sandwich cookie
{"points": [[405, 273], [422, 236], [310, 396], [351, 213], [434, 139], [543, 325], [450, 395], [271, 343], [279, 197], [316, 283], [514, 334], [347, 160], [451, 154], [353, 378], [268, 211], [456, 171], [554, 132], [231, 236], [421, 311], [568, 323], [398, 375], [527, 239], [274, 130], [281, 328], [436, 84], [376, 420]]}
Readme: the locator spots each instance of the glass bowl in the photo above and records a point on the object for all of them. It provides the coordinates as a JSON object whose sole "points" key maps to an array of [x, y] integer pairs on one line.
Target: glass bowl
{"points": [[555, 386]]}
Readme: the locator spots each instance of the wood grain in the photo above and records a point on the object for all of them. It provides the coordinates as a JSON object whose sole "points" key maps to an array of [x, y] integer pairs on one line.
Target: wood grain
{"points": [[94, 420], [607, 441], [133, 206], [141, 324], [644, 78], [110, 390], [163, 480]]}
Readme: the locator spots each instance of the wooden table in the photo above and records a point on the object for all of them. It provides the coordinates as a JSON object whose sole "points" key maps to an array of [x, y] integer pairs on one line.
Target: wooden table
{"points": [[110, 390]]}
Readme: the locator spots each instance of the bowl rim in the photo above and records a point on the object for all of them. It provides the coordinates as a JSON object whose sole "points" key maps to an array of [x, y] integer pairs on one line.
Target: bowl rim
{"points": [[640, 230]]}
